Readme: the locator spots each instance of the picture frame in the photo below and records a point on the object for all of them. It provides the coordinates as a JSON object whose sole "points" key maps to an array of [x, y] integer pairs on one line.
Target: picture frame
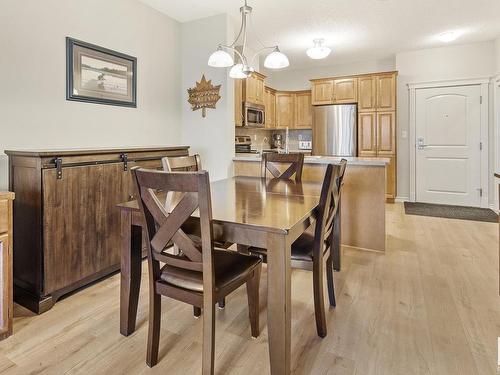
{"points": [[99, 75]]}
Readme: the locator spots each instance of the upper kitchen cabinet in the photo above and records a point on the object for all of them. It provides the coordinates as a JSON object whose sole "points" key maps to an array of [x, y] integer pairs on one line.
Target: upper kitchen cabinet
{"points": [[367, 94], [270, 107], [367, 134], [345, 90], [284, 110], [322, 91], [303, 110], [386, 92], [238, 102], [254, 88]]}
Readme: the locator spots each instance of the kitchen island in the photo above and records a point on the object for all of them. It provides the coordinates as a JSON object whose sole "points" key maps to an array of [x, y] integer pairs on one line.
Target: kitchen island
{"points": [[363, 195]]}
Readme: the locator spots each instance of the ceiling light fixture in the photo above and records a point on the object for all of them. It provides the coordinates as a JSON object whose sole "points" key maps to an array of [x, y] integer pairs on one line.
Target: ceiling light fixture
{"points": [[242, 69], [448, 36], [319, 51]]}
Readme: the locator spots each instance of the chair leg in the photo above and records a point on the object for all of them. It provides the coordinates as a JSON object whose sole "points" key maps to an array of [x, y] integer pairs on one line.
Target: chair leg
{"points": [[253, 301], [319, 303], [222, 303], [330, 283], [154, 328], [208, 339], [196, 312]]}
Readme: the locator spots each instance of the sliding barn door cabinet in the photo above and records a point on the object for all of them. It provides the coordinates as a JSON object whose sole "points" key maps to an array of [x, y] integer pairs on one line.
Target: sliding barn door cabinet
{"points": [[66, 223]]}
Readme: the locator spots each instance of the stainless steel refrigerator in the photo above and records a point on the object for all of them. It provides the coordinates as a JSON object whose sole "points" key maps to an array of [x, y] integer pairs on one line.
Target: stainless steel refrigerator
{"points": [[335, 130]]}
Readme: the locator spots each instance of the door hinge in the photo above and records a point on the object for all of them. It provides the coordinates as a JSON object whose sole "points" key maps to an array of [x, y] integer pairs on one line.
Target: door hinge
{"points": [[481, 99], [58, 163], [481, 146], [124, 158], [480, 192]]}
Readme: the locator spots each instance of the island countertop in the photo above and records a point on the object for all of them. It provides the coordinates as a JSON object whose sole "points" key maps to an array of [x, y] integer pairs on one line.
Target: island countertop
{"points": [[365, 161]]}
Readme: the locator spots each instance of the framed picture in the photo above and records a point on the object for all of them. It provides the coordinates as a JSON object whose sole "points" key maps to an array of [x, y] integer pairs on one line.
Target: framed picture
{"points": [[99, 75]]}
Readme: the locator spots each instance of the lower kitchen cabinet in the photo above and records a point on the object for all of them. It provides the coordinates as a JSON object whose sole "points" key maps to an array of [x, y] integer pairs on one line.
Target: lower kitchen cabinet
{"points": [[391, 179], [6, 304]]}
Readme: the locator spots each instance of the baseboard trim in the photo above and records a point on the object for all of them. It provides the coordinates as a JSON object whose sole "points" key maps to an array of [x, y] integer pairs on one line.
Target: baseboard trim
{"points": [[402, 199], [348, 247], [493, 208]]}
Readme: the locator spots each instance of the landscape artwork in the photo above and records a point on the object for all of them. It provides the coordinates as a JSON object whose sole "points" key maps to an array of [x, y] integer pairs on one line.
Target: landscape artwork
{"points": [[99, 75]]}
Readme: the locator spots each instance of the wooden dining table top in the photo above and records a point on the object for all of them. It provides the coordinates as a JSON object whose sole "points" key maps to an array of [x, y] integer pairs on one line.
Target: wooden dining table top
{"points": [[269, 204]]}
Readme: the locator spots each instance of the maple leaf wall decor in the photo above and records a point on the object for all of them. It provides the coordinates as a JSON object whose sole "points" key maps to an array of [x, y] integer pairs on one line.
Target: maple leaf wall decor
{"points": [[203, 96]]}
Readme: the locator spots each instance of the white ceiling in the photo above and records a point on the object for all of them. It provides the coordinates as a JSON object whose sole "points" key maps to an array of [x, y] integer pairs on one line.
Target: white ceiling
{"points": [[355, 29]]}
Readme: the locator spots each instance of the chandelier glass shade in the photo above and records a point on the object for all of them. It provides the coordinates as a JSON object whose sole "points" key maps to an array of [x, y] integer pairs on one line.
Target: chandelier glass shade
{"points": [[319, 51], [242, 68]]}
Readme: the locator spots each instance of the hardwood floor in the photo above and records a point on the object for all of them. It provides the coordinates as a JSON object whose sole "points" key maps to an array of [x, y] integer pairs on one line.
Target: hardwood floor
{"points": [[429, 305]]}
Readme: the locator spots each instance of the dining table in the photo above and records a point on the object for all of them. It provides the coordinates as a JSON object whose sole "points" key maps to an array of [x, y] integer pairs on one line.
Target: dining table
{"points": [[251, 211]]}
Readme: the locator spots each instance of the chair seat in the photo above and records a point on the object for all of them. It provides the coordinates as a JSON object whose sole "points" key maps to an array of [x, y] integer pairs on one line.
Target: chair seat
{"points": [[302, 248], [229, 267]]}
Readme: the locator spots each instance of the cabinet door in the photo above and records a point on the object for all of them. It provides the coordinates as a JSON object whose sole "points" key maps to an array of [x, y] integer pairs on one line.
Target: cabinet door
{"points": [[238, 102], [386, 133], [303, 110], [322, 92], [72, 225], [390, 179], [6, 312], [270, 108], [259, 91], [345, 90], [367, 94], [367, 134], [386, 92], [251, 89], [284, 110]]}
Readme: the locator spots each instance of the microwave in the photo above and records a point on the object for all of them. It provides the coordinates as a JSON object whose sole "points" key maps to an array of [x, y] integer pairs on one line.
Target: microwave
{"points": [[255, 115]]}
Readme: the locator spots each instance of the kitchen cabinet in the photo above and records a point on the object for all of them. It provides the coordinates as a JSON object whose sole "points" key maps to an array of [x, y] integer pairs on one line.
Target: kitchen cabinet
{"points": [[345, 90], [386, 92], [6, 301], [238, 102], [270, 107], [322, 91], [390, 179], [386, 134], [303, 110], [67, 201], [367, 94], [254, 89], [284, 110], [367, 134]]}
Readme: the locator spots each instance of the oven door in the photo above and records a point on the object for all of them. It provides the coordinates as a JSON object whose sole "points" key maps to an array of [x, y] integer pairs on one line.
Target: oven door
{"points": [[254, 116]]}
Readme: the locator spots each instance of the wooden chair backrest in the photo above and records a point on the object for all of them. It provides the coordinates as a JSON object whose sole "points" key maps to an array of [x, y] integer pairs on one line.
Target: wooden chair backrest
{"points": [[190, 163], [328, 205], [164, 228], [295, 161]]}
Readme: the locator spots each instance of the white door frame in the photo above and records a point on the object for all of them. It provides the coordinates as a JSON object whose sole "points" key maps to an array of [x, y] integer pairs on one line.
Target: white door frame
{"points": [[484, 83], [495, 81]]}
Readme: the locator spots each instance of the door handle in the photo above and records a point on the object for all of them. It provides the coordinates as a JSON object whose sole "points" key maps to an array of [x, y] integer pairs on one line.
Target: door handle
{"points": [[420, 143]]}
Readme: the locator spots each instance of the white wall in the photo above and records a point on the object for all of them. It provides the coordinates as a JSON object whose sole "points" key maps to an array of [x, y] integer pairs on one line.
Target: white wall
{"points": [[497, 56], [213, 136], [447, 63], [298, 79], [34, 112]]}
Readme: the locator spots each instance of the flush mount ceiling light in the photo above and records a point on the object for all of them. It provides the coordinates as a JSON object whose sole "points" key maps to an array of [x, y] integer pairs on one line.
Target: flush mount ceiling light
{"points": [[222, 59], [448, 36], [319, 51]]}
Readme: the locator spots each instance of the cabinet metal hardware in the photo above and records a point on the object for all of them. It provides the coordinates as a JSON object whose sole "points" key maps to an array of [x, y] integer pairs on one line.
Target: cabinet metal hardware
{"points": [[58, 163], [124, 158]]}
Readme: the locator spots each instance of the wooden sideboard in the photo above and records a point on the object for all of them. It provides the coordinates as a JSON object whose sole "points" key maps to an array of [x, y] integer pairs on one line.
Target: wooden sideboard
{"points": [[6, 264], [67, 226]]}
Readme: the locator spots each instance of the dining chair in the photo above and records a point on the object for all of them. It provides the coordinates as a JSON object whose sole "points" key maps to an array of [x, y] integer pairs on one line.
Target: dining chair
{"points": [[272, 161], [191, 163], [314, 246], [201, 274]]}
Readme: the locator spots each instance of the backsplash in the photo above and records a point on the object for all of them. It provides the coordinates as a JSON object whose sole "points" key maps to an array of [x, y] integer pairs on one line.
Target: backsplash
{"points": [[259, 136]]}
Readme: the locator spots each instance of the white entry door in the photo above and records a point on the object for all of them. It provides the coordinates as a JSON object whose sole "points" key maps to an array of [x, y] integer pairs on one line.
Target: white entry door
{"points": [[448, 155]]}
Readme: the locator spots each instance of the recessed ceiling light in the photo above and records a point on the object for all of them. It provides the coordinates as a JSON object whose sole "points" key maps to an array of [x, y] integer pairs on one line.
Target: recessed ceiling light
{"points": [[319, 51], [448, 36]]}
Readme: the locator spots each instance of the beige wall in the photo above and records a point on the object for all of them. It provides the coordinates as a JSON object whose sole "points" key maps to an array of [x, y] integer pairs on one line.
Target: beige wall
{"points": [[298, 79], [497, 56], [213, 136], [33, 107]]}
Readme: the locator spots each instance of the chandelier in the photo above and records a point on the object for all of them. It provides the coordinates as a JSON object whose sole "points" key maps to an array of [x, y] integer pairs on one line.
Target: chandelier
{"points": [[243, 68]]}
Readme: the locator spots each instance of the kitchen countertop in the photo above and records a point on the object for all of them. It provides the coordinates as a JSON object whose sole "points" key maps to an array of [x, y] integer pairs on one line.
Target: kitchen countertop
{"points": [[324, 160]]}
